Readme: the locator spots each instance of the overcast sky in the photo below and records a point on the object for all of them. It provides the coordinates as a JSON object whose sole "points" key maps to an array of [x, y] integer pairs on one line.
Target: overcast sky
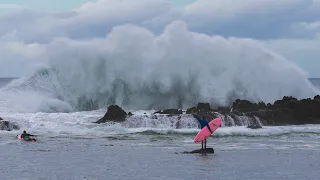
{"points": [[290, 28]]}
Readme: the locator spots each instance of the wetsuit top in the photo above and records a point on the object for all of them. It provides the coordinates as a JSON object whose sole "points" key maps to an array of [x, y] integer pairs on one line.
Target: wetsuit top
{"points": [[23, 135], [203, 123]]}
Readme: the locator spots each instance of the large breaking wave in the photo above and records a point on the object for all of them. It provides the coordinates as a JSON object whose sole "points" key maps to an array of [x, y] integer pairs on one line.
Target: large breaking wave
{"points": [[136, 69]]}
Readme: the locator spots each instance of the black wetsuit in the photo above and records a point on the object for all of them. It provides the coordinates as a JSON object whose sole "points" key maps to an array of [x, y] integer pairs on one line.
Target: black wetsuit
{"points": [[26, 135]]}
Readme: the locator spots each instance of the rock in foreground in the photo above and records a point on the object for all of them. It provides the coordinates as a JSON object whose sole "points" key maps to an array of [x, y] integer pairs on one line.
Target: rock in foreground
{"points": [[200, 151]]}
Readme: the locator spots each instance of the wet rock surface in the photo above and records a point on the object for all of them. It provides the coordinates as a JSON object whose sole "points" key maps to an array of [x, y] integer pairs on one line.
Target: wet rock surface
{"points": [[286, 111]]}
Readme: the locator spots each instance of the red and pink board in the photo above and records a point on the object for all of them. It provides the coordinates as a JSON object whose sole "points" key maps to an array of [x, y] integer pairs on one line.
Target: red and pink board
{"points": [[19, 137], [205, 132]]}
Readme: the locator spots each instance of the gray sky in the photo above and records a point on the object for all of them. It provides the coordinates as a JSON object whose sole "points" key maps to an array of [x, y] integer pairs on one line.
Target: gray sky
{"points": [[290, 28]]}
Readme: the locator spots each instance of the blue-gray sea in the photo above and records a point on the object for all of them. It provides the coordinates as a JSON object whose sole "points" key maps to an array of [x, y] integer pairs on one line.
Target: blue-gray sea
{"points": [[70, 146]]}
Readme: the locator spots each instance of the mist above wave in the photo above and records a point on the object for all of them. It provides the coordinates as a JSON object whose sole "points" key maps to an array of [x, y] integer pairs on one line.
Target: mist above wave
{"points": [[136, 69]]}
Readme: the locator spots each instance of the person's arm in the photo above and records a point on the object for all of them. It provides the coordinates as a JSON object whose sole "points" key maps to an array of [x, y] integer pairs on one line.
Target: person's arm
{"points": [[30, 135], [195, 116]]}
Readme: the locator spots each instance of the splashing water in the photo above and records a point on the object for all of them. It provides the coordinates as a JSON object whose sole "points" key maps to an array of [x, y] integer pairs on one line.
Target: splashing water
{"points": [[136, 69]]}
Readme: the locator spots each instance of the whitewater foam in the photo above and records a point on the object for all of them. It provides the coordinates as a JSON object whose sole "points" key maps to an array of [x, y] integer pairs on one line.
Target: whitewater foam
{"points": [[136, 69], [80, 124]]}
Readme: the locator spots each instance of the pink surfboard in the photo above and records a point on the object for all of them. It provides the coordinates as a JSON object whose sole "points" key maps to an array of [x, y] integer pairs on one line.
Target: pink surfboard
{"points": [[205, 132], [19, 137]]}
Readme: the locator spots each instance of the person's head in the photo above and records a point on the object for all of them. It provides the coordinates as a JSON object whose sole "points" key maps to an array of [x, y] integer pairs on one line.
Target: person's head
{"points": [[24, 132]]}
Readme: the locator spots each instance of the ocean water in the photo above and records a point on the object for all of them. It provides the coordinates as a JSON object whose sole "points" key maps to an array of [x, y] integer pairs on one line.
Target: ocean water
{"points": [[70, 146], [141, 157]]}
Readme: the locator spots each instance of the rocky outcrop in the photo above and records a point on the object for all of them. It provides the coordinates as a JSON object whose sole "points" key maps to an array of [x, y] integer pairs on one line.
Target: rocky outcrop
{"points": [[286, 111], [201, 107], [7, 126], [114, 114]]}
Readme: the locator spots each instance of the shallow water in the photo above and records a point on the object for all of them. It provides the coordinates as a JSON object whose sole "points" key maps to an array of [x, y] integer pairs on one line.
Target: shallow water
{"points": [[142, 158]]}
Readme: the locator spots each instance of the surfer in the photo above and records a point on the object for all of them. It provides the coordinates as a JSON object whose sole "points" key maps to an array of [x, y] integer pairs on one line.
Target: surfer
{"points": [[203, 123], [25, 136]]}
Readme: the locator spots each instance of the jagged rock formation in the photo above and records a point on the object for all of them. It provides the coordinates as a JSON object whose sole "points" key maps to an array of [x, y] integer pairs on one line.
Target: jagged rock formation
{"points": [[114, 113], [287, 111]]}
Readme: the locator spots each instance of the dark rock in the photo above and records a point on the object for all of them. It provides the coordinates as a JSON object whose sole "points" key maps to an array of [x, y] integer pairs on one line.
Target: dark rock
{"points": [[200, 151], [169, 111], [8, 126], [244, 106], [286, 102], [114, 114], [286, 111], [203, 107], [130, 114], [1, 119], [254, 126], [191, 110]]}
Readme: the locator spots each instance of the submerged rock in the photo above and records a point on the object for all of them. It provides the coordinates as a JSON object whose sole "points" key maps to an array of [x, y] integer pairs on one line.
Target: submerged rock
{"points": [[254, 126], [114, 114], [200, 151]]}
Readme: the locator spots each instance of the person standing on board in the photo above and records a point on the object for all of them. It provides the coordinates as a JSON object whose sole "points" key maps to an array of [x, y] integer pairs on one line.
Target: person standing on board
{"points": [[203, 123]]}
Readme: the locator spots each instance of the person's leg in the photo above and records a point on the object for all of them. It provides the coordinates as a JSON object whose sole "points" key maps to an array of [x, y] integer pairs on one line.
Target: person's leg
{"points": [[201, 144], [205, 143]]}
